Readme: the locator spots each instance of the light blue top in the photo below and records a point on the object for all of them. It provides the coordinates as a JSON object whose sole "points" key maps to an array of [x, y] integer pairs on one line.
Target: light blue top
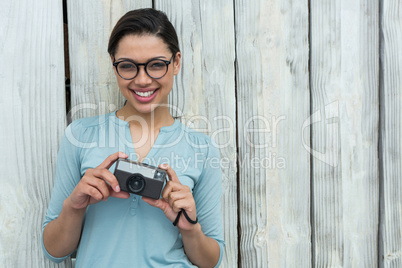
{"points": [[129, 232]]}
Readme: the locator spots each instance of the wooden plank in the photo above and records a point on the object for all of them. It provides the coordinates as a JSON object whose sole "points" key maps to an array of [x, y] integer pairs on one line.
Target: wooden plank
{"points": [[273, 101], [32, 121], [390, 253], [203, 95], [94, 89], [344, 89]]}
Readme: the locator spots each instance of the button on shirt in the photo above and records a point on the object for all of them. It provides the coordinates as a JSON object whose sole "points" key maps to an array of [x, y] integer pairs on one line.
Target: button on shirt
{"points": [[129, 232]]}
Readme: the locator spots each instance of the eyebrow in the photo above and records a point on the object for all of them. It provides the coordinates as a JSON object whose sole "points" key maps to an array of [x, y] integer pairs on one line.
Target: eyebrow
{"points": [[154, 58]]}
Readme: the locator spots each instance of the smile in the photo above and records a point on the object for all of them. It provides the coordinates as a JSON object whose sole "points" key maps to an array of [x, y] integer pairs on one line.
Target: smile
{"points": [[144, 94]]}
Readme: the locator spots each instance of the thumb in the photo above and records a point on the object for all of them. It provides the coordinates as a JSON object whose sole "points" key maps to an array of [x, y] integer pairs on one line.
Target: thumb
{"points": [[155, 203]]}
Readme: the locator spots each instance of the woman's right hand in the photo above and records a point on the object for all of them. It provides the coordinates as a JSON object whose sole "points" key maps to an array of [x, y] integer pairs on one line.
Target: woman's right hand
{"points": [[97, 184]]}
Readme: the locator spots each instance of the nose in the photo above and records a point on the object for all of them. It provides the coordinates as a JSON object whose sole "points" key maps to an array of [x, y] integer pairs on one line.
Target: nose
{"points": [[142, 77]]}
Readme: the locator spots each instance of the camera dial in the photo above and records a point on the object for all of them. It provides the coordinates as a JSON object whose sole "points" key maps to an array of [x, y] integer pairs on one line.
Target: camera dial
{"points": [[159, 175], [136, 183]]}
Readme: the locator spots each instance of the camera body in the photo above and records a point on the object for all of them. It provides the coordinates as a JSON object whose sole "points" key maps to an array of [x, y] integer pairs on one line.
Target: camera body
{"points": [[139, 178]]}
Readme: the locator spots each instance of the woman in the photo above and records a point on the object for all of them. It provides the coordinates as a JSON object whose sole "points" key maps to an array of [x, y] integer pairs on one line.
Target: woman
{"points": [[112, 228]]}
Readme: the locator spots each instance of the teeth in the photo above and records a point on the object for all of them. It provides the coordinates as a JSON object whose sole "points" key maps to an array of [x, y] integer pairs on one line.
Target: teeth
{"points": [[144, 94]]}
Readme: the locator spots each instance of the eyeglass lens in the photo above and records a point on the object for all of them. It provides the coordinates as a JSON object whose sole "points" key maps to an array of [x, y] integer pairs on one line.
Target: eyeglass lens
{"points": [[154, 68]]}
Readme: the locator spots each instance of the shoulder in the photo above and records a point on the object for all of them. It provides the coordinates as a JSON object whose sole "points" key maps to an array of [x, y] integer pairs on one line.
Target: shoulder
{"points": [[84, 130], [90, 122], [194, 134], [200, 142]]}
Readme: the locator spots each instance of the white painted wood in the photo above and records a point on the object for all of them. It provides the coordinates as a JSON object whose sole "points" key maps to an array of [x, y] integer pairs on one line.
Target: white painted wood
{"points": [[271, 96], [390, 252], [203, 95], [32, 121], [94, 89], [344, 90], [272, 104]]}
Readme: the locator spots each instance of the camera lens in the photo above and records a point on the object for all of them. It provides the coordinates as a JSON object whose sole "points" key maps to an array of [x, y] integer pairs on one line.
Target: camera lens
{"points": [[136, 183]]}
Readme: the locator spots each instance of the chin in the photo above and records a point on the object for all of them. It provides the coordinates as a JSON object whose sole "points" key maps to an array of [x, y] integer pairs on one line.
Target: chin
{"points": [[145, 108]]}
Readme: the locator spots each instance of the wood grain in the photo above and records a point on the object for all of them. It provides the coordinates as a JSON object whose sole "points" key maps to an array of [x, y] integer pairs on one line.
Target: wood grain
{"points": [[32, 121], [203, 95], [344, 89], [272, 104], [312, 184], [94, 89], [390, 253]]}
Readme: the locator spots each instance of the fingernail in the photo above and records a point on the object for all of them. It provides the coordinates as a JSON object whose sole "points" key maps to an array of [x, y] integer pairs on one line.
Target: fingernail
{"points": [[117, 189]]}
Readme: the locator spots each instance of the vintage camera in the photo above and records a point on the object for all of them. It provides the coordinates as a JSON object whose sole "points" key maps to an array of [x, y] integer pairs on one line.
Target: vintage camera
{"points": [[139, 178]]}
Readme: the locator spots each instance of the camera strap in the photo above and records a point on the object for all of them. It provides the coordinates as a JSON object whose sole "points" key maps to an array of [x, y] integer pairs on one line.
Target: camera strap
{"points": [[185, 215]]}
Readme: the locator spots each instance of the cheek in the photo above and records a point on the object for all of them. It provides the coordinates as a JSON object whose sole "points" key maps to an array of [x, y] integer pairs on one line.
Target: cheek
{"points": [[123, 85], [120, 81], [168, 84], [169, 79]]}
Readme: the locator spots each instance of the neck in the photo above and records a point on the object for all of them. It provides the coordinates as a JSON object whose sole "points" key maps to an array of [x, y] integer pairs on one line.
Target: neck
{"points": [[159, 117]]}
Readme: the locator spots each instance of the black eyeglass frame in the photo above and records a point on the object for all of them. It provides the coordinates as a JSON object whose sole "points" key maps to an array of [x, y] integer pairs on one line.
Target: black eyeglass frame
{"points": [[167, 62]]}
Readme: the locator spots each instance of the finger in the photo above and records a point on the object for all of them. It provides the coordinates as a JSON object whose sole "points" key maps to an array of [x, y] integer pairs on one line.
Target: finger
{"points": [[152, 202], [170, 172], [172, 187], [106, 175], [180, 204], [172, 196], [159, 203], [91, 191], [99, 185], [176, 196], [109, 161]]}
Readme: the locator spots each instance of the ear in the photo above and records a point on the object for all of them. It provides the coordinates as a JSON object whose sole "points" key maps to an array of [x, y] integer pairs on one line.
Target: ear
{"points": [[114, 69], [177, 63]]}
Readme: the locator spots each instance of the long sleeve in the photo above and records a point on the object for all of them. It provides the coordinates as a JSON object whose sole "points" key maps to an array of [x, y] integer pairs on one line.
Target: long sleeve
{"points": [[67, 176], [207, 194]]}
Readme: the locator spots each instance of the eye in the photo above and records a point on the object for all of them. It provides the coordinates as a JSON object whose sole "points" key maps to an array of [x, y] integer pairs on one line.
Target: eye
{"points": [[156, 65], [126, 65]]}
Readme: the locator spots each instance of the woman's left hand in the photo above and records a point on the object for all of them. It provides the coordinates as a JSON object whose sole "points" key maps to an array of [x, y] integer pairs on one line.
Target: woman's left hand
{"points": [[175, 197]]}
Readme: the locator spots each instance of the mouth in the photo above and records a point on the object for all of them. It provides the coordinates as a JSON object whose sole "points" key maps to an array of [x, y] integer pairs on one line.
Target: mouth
{"points": [[144, 93], [144, 96]]}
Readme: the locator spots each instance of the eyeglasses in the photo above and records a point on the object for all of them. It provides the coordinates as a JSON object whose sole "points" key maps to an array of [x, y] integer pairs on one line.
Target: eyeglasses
{"points": [[128, 69]]}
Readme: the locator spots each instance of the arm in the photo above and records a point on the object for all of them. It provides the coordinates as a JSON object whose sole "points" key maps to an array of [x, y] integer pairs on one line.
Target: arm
{"points": [[201, 250], [61, 236]]}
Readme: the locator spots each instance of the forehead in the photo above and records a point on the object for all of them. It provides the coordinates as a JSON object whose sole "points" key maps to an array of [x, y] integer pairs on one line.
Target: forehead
{"points": [[141, 47]]}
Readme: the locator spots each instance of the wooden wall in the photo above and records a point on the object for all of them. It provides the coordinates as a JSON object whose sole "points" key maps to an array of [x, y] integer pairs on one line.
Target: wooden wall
{"points": [[272, 103], [390, 234], [32, 121], [303, 97], [345, 88]]}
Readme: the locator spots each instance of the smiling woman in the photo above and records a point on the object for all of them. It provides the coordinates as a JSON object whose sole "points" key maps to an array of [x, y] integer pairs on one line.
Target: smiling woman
{"points": [[87, 201]]}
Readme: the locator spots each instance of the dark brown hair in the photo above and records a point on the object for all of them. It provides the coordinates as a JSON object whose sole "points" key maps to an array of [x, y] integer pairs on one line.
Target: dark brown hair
{"points": [[144, 21]]}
